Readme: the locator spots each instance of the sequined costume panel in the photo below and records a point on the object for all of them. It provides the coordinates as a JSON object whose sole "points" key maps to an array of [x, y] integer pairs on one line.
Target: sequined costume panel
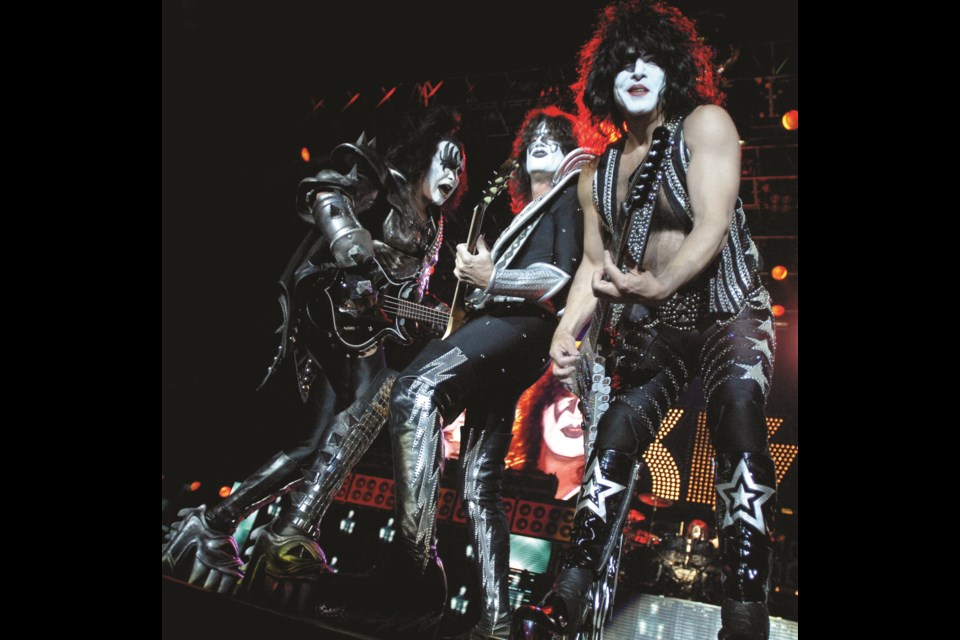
{"points": [[733, 275]]}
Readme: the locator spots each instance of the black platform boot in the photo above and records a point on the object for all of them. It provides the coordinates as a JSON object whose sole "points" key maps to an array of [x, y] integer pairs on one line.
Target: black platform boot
{"points": [[482, 457], [597, 529], [746, 503], [405, 597], [286, 558], [200, 547]]}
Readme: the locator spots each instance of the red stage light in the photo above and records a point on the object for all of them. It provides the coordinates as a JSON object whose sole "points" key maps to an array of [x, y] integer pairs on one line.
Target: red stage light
{"points": [[778, 310], [225, 491], [194, 485], [779, 272], [791, 120], [305, 154], [355, 97]]}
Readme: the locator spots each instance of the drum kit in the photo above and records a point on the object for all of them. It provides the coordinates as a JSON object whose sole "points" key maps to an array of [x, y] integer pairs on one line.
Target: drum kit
{"points": [[677, 563]]}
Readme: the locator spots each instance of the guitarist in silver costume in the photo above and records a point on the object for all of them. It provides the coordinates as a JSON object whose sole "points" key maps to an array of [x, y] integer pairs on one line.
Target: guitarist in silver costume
{"points": [[670, 277], [368, 214]]}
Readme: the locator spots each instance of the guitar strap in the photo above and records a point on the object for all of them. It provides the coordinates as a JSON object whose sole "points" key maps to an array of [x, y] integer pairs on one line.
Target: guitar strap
{"points": [[429, 259], [637, 210]]}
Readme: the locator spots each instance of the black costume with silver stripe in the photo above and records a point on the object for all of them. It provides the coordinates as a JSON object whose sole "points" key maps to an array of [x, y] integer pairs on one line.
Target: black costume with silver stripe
{"points": [[718, 326]]}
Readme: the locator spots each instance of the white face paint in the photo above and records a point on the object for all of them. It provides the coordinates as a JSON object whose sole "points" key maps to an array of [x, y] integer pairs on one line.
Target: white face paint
{"points": [[443, 176], [562, 424], [638, 87], [544, 153]]}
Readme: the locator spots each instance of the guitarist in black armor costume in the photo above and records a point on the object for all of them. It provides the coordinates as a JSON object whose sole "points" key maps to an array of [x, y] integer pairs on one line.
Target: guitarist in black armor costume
{"points": [[670, 277], [372, 218]]}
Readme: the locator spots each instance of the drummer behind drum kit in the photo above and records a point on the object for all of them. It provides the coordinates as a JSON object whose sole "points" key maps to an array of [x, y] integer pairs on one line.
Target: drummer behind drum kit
{"points": [[681, 565]]}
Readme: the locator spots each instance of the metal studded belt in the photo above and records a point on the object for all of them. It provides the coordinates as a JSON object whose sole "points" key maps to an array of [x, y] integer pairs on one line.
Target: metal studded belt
{"points": [[683, 310]]}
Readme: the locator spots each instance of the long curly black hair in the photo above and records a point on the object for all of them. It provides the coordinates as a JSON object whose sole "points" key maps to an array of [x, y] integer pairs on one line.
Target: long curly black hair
{"points": [[562, 127], [412, 154], [628, 29]]}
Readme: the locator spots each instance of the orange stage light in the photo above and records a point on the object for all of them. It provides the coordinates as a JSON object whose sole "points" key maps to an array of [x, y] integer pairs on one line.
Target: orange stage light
{"points": [[791, 120]]}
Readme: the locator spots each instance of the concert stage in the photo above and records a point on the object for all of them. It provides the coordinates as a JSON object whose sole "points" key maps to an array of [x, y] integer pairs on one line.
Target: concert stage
{"points": [[189, 612]]}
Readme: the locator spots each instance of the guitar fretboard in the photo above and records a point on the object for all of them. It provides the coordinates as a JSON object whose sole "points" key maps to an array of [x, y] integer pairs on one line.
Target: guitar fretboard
{"points": [[415, 311]]}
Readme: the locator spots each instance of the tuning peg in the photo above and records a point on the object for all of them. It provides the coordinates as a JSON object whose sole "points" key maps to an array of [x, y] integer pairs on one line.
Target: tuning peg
{"points": [[487, 199]]}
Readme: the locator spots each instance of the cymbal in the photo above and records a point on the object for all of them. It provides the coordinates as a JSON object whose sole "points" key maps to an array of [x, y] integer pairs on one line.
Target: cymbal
{"points": [[645, 537], [656, 501], [635, 516]]}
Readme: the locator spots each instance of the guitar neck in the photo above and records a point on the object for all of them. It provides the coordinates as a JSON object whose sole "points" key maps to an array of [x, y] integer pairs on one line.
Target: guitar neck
{"points": [[458, 309], [415, 311]]}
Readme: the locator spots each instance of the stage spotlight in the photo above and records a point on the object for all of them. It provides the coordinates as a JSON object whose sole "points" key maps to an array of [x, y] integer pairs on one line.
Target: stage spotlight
{"points": [[387, 532], [779, 272], [778, 310], [193, 486], [791, 120], [305, 154], [225, 491], [348, 524]]}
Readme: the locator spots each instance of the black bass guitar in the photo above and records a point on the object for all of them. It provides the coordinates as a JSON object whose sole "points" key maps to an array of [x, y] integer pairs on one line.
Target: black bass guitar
{"points": [[361, 309]]}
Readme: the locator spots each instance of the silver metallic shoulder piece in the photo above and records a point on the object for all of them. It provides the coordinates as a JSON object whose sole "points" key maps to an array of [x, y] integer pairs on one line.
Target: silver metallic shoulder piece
{"points": [[536, 283], [350, 244], [573, 161], [324, 180]]}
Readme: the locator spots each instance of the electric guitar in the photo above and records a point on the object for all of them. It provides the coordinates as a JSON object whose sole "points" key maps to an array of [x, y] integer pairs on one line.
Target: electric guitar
{"points": [[496, 185], [361, 309], [591, 380]]}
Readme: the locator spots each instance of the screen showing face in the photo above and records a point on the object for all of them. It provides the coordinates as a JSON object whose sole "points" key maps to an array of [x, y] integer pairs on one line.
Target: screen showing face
{"points": [[547, 435]]}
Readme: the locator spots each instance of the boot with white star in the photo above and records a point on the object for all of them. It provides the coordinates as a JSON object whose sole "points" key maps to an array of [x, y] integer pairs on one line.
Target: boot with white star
{"points": [[597, 526], [746, 503]]}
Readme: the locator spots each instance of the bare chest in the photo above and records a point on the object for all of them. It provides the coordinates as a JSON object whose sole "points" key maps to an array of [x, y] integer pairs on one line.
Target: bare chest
{"points": [[664, 239]]}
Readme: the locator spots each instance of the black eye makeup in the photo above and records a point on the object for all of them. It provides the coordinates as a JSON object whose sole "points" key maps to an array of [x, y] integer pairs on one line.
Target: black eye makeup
{"points": [[451, 158]]}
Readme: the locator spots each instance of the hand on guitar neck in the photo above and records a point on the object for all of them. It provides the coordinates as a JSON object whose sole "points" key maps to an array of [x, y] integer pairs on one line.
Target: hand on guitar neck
{"points": [[474, 268]]}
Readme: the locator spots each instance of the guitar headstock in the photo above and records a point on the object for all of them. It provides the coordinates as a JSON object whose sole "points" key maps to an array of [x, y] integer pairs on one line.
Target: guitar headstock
{"points": [[494, 187], [498, 181]]}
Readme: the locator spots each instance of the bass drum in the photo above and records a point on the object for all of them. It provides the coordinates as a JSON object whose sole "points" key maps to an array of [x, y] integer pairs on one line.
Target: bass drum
{"points": [[690, 569], [642, 569]]}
